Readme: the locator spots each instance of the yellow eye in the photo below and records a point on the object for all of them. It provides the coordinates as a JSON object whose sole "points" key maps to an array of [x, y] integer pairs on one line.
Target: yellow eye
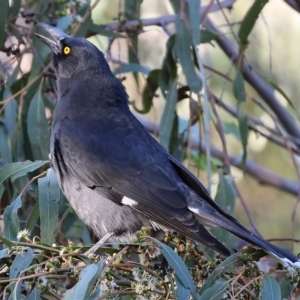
{"points": [[67, 50]]}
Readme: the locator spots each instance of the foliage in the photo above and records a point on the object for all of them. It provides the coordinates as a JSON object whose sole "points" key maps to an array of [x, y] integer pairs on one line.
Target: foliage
{"points": [[36, 216]]}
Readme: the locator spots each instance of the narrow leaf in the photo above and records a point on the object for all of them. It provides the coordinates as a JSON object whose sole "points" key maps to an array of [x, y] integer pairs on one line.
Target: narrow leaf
{"points": [[226, 199], [231, 128], [10, 112], [270, 289], [149, 91], [49, 195], [184, 51], [6, 242], [3, 17], [166, 123], [194, 18], [34, 295], [37, 127], [100, 29], [207, 36], [85, 285], [239, 87], [249, 20], [229, 264], [64, 22], [4, 146], [183, 292], [131, 67], [286, 288], [19, 169], [178, 266], [215, 292], [243, 126], [21, 262], [11, 220], [33, 218]]}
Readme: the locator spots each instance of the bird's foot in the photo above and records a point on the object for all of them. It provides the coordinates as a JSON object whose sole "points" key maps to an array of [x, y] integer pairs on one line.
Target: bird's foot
{"points": [[99, 243]]}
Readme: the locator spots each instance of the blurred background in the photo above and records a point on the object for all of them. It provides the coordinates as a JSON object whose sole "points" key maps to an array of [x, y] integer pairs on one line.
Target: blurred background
{"points": [[136, 38]]}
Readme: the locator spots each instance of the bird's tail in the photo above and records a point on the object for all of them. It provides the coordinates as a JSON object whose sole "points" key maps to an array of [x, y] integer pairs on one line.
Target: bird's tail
{"points": [[284, 257]]}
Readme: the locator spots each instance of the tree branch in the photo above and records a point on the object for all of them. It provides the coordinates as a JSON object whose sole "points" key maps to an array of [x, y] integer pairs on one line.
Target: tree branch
{"points": [[251, 76], [262, 175], [163, 20]]}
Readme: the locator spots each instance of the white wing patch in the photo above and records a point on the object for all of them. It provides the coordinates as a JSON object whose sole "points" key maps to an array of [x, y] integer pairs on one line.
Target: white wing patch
{"points": [[128, 201]]}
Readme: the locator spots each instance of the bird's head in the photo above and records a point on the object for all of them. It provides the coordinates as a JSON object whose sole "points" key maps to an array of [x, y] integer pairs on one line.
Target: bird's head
{"points": [[72, 55]]}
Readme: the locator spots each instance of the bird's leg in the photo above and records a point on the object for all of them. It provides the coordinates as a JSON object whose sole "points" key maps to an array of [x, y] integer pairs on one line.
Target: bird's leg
{"points": [[99, 243]]}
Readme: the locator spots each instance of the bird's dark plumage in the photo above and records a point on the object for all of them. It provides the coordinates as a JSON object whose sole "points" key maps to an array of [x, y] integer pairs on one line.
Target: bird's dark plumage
{"points": [[116, 176]]}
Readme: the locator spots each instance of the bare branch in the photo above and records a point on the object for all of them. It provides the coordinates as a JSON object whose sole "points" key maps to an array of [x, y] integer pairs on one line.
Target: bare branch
{"points": [[262, 175], [251, 76]]}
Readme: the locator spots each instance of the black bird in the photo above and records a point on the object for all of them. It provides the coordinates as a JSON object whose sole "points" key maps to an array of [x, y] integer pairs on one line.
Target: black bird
{"points": [[116, 176]]}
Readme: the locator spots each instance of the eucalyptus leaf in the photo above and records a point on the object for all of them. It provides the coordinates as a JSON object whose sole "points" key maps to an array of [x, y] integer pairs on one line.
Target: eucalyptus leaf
{"points": [[226, 199], [49, 195], [85, 286], [37, 127], [184, 51], [177, 264], [270, 289], [166, 123], [4, 4], [131, 67], [20, 263], [34, 295], [249, 20], [215, 292], [11, 220], [19, 169]]}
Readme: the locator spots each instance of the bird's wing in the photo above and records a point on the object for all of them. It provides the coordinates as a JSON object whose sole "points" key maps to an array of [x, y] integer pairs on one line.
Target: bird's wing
{"points": [[119, 161]]}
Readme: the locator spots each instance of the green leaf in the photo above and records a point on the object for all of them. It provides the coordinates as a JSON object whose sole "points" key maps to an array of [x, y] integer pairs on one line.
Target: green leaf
{"points": [[3, 17], [10, 112], [100, 29], [37, 127], [34, 295], [182, 291], [178, 266], [6, 242], [243, 126], [249, 20], [231, 128], [215, 292], [14, 8], [33, 218], [49, 195], [166, 123], [239, 87], [282, 92], [4, 147], [21, 262], [131, 67], [286, 288], [207, 36], [85, 286], [228, 265], [226, 199], [184, 51], [194, 18], [132, 12], [240, 94], [149, 91], [11, 220], [64, 22], [169, 68], [19, 169], [270, 289]]}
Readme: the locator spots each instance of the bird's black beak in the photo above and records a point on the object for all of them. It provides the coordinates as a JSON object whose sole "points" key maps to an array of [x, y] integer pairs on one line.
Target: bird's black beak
{"points": [[56, 34]]}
